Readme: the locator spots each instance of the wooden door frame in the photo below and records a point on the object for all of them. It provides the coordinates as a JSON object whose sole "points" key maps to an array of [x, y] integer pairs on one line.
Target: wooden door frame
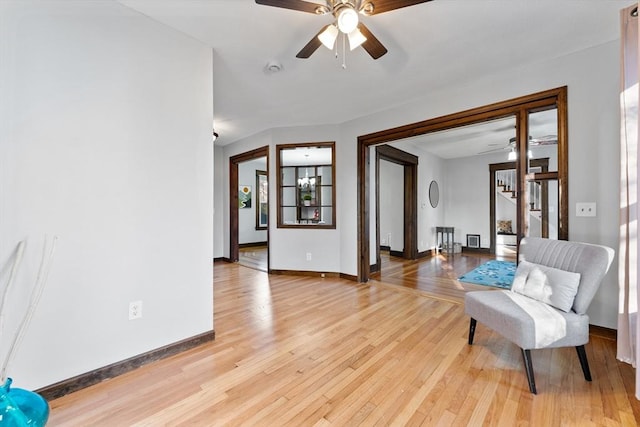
{"points": [[409, 164], [519, 107], [234, 161], [493, 168]]}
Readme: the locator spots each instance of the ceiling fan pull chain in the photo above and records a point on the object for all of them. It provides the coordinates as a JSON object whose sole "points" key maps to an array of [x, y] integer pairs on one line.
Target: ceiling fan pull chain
{"points": [[344, 52]]}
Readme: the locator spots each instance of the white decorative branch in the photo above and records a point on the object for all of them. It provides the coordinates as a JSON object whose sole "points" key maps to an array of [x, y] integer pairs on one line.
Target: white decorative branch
{"points": [[14, 268], [36, 293]]}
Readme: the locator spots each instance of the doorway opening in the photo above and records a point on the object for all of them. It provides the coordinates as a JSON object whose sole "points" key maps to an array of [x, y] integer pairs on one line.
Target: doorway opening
{"points": [[524, 146], [408, 197], [503, 189], [249, 209]]}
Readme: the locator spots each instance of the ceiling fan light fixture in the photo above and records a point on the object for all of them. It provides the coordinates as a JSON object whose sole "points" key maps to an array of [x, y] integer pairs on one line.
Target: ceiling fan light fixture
{"points": [[347, 20], [328, 37], [322, 10], [512, 155], [356, 38], [345, 13], [367, 9]]}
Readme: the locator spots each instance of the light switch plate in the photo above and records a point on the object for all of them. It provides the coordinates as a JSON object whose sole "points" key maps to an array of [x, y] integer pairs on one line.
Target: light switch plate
{"points": [[586, 209]]}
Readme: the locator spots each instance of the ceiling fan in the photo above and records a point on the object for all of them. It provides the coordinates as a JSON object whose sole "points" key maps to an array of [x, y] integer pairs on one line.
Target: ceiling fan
{"points": [[543, 140], [346, 21]]}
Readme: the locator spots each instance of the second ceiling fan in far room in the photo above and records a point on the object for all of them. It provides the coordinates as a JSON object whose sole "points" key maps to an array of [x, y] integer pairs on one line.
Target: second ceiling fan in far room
{"points": [[346, 21], [511, 145]]}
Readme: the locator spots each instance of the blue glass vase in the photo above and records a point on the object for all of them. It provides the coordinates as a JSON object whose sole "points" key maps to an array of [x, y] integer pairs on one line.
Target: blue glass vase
{"points": [[20, 407]]}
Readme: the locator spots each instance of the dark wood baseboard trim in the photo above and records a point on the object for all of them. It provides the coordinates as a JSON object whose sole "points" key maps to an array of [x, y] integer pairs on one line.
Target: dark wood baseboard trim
{"points": [[385, 248], [399, 254], [81, 381], [374, 268], [222, 259], [428, 253], [252, 245], [320, 274], [602, 332], [349, 277]]}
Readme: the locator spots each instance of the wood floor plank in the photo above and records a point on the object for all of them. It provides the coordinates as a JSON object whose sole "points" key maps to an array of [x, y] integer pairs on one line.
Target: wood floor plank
{"points": [[304, 351]]}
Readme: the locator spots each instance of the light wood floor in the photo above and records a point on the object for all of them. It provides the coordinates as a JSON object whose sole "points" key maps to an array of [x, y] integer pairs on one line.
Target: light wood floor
{"points": [[303, 351], [255, 257], [436, 276]]}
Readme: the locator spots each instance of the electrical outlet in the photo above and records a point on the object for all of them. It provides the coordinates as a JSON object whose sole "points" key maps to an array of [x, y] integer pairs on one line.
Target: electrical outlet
{"points": [[308, 256], [135, 310], [586, 209]]}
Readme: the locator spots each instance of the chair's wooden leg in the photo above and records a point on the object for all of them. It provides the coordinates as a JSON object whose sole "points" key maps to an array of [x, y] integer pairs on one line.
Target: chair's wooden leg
{"points": [[528, 367], [582, 355], [472, 330]]}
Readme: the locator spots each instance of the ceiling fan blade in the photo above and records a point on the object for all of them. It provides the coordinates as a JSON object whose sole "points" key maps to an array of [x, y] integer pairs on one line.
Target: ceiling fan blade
{"points": [[382, 6], [302, 6], [493, 150], [372, 45], [312, 46], [545, 140]]}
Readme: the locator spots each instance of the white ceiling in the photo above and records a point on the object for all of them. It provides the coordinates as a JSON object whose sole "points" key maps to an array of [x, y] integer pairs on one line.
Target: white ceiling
{"points": [[484, 138], [431, 45], [306, 156]]}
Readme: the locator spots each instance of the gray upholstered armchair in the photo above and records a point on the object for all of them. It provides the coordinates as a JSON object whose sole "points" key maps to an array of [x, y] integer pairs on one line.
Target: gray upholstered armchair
{"points": [[546, 306]]}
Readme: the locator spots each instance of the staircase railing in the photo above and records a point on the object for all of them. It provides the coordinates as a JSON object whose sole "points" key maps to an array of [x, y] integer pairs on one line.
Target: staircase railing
{"points": [[507, 185]]}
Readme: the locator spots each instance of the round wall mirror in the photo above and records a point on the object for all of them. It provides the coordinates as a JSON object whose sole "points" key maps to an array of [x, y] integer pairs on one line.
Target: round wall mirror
{"points": [[434, 194]]}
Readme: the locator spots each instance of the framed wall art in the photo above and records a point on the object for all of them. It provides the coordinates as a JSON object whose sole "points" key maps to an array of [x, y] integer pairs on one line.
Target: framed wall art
{"points": [[244, 196], [262, 206]]}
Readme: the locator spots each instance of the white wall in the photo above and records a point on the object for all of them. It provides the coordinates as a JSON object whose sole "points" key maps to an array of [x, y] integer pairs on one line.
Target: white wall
{"points": [[220, 181], [391, 203], [105, 142], [430, 168], [247, 232], [466, 196], [288, 247]]}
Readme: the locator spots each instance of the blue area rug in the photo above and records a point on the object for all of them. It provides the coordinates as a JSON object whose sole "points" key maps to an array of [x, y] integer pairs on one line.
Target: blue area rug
{"points": [[492, 273]]}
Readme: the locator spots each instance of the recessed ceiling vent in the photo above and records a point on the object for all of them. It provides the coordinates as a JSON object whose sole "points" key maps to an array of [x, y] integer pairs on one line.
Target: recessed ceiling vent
{"points": [[273, 67]]}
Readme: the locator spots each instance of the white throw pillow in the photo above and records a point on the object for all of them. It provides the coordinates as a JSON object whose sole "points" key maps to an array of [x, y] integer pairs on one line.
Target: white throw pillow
{"points": [[546, 284]]}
